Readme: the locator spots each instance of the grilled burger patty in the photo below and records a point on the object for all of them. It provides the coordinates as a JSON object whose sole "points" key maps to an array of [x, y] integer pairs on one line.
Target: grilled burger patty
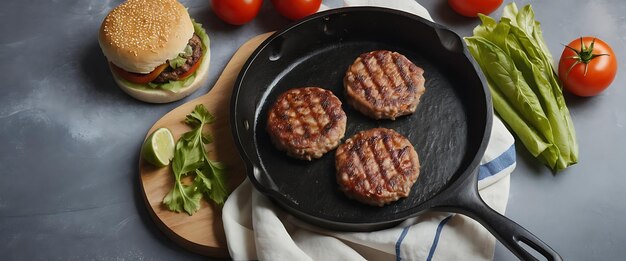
{"points": [[384, 84], [306, 122], [170, 74], [376, 166]]}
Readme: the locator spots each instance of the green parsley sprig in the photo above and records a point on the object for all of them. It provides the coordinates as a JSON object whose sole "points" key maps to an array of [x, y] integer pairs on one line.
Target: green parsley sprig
{"points": [[191, 158]]}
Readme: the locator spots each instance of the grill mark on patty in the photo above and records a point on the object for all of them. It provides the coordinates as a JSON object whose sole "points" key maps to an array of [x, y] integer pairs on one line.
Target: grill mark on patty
{"points": [[374, 79], [364, 82], [380, 62], [319, 117], [372, 168], [384, 175], [394, 160], [357, 161], [394, 156], [400, 68], [292, 106], [402, 80], [363, 163], [390, 70], [403, 152], [400, 65], [389, 155], [367, 91], [326, 108]]}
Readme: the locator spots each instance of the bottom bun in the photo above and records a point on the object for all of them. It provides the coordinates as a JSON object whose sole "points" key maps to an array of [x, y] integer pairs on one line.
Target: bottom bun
{"points": [[158, 95]]}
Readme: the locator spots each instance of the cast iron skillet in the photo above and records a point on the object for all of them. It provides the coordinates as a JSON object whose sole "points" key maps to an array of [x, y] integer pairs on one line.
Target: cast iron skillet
{"points": [[449, 130]]}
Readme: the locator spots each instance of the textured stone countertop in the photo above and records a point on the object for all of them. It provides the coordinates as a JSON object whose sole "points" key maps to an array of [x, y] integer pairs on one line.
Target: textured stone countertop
{"points": [[70, 139]]}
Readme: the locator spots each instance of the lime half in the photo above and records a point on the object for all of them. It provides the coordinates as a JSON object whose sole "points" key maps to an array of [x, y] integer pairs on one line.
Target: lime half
{"points": [[158, 149]]}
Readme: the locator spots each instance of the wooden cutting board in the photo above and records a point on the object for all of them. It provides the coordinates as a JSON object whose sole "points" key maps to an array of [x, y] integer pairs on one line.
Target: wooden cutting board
{"points": [[203, 232]]}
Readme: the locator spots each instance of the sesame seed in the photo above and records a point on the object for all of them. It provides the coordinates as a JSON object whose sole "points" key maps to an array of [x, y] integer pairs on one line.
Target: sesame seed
{"points": [[141, 24]]}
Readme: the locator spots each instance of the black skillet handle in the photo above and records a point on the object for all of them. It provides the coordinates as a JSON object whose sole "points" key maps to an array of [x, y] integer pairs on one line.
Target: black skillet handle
{"points": [[464, 199]]}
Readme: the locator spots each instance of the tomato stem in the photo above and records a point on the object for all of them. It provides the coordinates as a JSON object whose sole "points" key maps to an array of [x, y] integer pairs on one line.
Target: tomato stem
{"points": [[584, 55]]}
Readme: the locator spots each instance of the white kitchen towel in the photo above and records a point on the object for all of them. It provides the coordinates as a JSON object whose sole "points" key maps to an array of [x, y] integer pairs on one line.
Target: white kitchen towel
{"points": [[257, 229]]}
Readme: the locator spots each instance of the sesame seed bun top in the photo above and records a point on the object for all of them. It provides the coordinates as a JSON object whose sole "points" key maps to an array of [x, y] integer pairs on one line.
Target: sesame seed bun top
{"points": [[140, 35]]}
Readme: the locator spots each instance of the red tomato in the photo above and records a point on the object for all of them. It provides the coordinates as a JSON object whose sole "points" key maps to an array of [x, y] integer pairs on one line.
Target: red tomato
{"points": [[296, 9], [471, 8], [139, 77], [587, 66], [236, 12]]}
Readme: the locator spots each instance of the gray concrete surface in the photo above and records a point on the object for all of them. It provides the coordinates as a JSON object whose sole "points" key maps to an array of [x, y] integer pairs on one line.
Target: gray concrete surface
{"points": [[69, 138]]}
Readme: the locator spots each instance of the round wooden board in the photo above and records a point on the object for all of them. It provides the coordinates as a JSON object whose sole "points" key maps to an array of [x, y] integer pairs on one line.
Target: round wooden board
{"points": [[203, 232]]}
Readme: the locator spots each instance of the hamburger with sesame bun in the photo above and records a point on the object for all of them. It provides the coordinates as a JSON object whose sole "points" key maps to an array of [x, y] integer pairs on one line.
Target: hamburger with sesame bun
{"points": [[156, 52]]}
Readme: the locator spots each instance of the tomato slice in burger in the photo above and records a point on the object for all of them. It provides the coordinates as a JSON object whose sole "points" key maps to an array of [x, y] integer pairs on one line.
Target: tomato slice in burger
{"points": [[139, 78], [191, 70]]}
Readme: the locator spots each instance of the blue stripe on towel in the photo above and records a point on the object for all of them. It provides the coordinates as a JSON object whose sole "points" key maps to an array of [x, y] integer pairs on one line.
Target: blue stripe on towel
{"points": [[437, 234], [399, 242], [498, 164], [486, 170]]}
